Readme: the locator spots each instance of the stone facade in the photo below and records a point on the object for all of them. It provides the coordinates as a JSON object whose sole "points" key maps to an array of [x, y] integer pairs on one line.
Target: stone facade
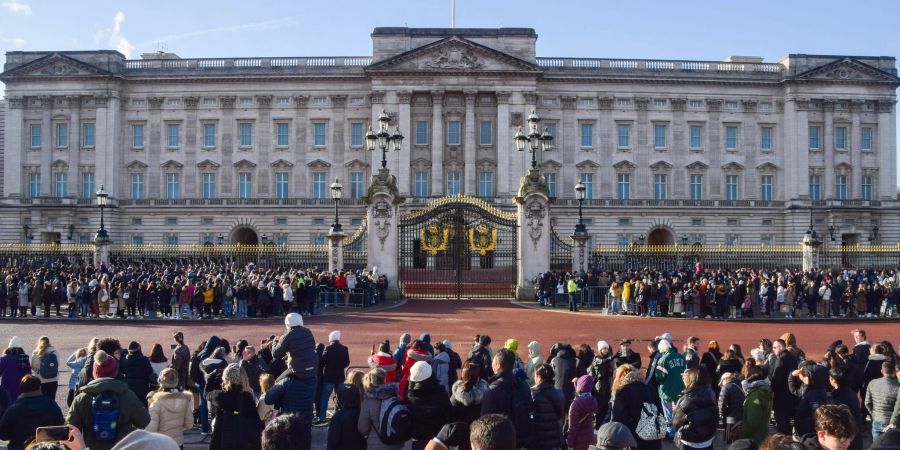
{"points": [[715, 152]]}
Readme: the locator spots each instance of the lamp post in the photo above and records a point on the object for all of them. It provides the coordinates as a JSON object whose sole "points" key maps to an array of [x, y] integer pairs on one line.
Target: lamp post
{"points": [[383, 139], [580, 191], [102, 236], [336, 190], [579, 258], [684, 239], [265, 238], [874, 236], [220, 239], [535, 139]]}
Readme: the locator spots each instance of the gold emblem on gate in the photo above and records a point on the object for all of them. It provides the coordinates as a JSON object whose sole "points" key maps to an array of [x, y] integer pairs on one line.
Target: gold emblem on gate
{"points": [[434, 239], [482, 239]]}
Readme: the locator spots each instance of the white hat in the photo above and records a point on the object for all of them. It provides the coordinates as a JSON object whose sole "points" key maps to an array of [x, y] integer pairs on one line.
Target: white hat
{"points": [[602, 344], [293, 320], [664, 346], [15, 342], [334, 336], [667, 336], [420, 371]]}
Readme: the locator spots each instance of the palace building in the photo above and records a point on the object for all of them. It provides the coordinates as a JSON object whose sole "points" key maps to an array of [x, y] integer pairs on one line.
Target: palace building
{"points": [[718, 152]]}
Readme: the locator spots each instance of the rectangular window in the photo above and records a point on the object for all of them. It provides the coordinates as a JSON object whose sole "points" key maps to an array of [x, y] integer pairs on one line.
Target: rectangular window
{"points": [[551, 183], [659, 136], [61, 185], [87, 135], [815, 187], [319, 138], [623, 182], [659, 186], [209, 185], [766, 190], [62, 135], [281, 239], [840, 187], [696, 136], [172, 239], [246, 132], [765, 138], [624, 135], [867, 182], [319, 185], [209, 135], [356, 134], [421, 184], [731, 105], [865, 138], [137, 136], [731, 136], [173, 185], [137, 240], [453, 132], [453, 183], [421, 133], [814, 137], [695, 104], [587, 135], [731, 187], [840, 138], [696, 187], [587, 179], [486, 184], [357, 187], [87, 185], [35, 135], [245, 187], [281, 185], [551, 129], [485, 134], [173, 135], [659, 103], [34, 184], [137, 186], [282, 134]]}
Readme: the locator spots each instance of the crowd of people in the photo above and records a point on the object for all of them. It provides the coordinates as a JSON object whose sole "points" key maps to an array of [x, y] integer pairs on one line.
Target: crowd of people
{"points": [[721, 293], [426, 393], [175, 290]]}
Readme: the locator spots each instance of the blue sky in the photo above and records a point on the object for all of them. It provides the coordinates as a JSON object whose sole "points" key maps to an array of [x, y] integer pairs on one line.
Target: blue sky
{"points": [[664, 29]]}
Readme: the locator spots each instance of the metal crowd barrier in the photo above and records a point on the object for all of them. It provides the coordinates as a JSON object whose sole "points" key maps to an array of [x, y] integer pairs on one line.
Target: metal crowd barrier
{"points": [[356, 298]]}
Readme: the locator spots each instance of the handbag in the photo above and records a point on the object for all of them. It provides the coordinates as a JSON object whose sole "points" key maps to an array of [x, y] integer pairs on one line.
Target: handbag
{"points": [[732, 431], [652, 424]]}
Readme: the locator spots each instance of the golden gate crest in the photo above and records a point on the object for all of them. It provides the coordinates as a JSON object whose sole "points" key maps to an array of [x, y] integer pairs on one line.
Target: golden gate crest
{"points": [[482, 239], [434, 239]]}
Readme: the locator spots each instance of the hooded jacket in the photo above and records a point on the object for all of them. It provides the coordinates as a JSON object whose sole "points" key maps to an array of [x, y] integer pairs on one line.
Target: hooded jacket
{"points": [[385, 362], [466, 405], [534, 360], [581, 415], [549, 410], [441, 368], [412, 357], [195, 370], [564, 368], [30, 411], [132, 414], [695, 415], [370, 419], [342, 432], [13, 367], [429, 408], [171, 413], [757, 411], [811, 396], [731, 402], [299, 342], [138, 374]]}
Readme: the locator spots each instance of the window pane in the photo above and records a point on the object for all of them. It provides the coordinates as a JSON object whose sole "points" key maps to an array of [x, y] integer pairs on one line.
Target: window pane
{"points": [[551, 183], [867, 187], [319, 185], [357, 187], [62, 181], [866, 139], [173, 133], [62, 135], [731, 138], [765, 183], [421, 184], [453, 133], [421, 133], [624, 186], [246, 134], [731, 187], [659, 186], [87, 185], [35, 135], [137, 186], [587, 179], [87, 135], [765, 138], [624, 135], [209, 135], [486, 133], [137, 136], [659, 136], [840, 138], [696, 187], [173, 185], [453, 183], [319, 134], [486, 184], [813, 137], [696, 140], [244, 186], [356, 134], [814, 188], [281, 185], [209, 185], [587, 138]]}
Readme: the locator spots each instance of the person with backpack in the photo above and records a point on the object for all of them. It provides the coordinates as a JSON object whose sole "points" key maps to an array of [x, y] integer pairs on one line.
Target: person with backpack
{"points": [[441, 366], [106, 408], [429, 404], [342, 432], [632, 401], [45, 366], [383, 419], [511, 397], [30, 411]]}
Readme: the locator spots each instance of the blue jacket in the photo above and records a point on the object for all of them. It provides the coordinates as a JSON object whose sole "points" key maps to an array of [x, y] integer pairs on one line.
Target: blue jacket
{"points": [[293, 394]]}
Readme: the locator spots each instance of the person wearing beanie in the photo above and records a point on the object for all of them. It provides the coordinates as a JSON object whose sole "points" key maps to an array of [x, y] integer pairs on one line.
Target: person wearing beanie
{"points": [[429, 404], [614, 436], [14, 364], [425, 340], [138, 372], [416, 353], [601, 370], [400, 353], [335, 359], [382, 359], [581, 414], [237, 424], [171, 411], [455, 362], [668, 372], [534, 360], [30, 411], [132, 414], [300, 344]]}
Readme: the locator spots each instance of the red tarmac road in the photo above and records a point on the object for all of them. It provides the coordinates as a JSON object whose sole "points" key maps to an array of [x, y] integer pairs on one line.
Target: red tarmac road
{"points": [[457, 321]]}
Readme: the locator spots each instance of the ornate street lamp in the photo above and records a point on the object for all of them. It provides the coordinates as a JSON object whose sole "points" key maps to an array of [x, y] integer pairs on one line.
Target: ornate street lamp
{"points": [[383, 139], [874, 236], [535, 139], [336, 191], [580, 192], [684, 239], [831, 231], [102, 236], [220, 239]]}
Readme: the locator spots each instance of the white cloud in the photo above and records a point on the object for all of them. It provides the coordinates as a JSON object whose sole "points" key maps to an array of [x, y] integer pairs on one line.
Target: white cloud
{"points": [[17, 8], [114, 37], [254, 26], [16, 41]]}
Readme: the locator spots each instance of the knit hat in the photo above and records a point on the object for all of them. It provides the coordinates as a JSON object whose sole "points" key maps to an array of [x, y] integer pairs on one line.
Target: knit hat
{"points": [[405, 338], [232, 374], [534, 348], [664, 346], [425, 337], [29, 383], [615, 435], [334, 336], [584, 383], [447, 344], [15, 342], [142, 439], [667, 336], [420, 371], [168, 378], [293, 320], [105, 365], [511, 345], [134, 347], [602, 344]]}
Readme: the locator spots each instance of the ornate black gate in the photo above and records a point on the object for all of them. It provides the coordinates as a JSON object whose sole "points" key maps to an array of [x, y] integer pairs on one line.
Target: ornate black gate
{"points": [[458, 247]]}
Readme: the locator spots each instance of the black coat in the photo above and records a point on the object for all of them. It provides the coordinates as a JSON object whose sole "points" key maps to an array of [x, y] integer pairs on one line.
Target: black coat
{"points": [[627, 409], [27, 413], [138, 374], [710, 362], [342, 430], [847, 396], [549, 411], [429, 408], [564, 368], [813, 396], [696, 414], [237, 426], [633, 358], [335, 359], [500, 399], [726, 366], [299, 342], [784, 399]]}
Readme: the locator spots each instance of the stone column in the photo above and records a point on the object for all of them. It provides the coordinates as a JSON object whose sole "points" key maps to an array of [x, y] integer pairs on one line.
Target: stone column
{"points": [[826, 142], [75, 156], [14, 153], [471, 150], [504, 146], [337, 144], [579, 252], [885, 148], [48, 145], [382, 213], [568, 147], [263, 181], [300, 184], [811, 245], [533, 205], [191, 181], [335, 250], [157, 141], [403, 118], [225, 182], [437, 143]]}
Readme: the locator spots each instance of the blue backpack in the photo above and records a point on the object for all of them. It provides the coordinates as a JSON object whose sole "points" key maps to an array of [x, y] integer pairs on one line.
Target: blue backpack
{"points": [[49, 366], [105, 416]]}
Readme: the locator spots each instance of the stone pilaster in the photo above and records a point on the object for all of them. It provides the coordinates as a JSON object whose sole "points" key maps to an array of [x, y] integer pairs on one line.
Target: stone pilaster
{"points": [[505, 148], [75, 156], [336, 145], [226, 131], [403, 119], [437, 143], [471, 149], [885, 148], [828, 152], [335, 250], [533, 207], [152, 179], [190, 182], [264, 183], [14, 178], [301, 184]]}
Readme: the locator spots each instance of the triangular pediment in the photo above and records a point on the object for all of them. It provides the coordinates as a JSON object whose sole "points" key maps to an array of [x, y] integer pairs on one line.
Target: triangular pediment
{"points": [[661, 166], [697, 166], [136, 166], [281, 164], [207, 164], [733, 167], [587, 164], [551, 164], [356, 164], [244, 165], [319, 164], [55, 65], [624, 166], [453, 54], [847, 70], [767, 167], [172, 165]]}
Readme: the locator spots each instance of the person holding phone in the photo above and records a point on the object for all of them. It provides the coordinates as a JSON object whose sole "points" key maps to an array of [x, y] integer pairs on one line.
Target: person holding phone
{"points": [[31, 411]]}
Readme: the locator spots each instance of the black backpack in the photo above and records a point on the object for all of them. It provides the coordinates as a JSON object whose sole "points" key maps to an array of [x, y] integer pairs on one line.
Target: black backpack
{"points": [[395, 423]]}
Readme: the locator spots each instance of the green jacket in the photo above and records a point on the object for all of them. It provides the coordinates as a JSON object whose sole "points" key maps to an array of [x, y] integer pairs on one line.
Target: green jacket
{"points": [[668, 375], [132, 414], [757, 412]]}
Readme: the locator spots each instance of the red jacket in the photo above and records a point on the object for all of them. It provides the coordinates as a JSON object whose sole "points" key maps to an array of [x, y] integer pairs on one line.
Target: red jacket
{"points": [[412, 356], [384, 362], [340, 282]]}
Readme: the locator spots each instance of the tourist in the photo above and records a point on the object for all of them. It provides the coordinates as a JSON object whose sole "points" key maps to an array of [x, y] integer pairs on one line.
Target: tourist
{"points": [[467, 394], [563, 365], [158, 359], [289, 431], [494, 432], [758, 403], [581, 415], [382, 359], [549, 410], [695, 414], [668, 375], [626, 355], [881, 396], [710, 360], [76, 362], [342, 428], [14, 364], [629, 395], [45, 366], [808, 383], [31, 410], [171, 411], [441, 366], [834, 429], [429, 405], [237, 424], [842, 393], [181, 357], [731, 405], [137, 371], [376, 391], [614, 436], [601, 371], [510, 397]]}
